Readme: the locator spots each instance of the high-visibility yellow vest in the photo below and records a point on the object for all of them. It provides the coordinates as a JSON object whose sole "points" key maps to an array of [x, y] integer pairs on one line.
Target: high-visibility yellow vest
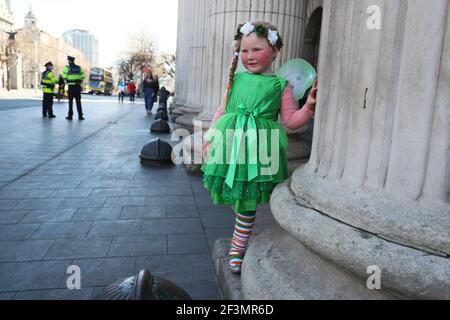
{"points": [[73, 75], [48, 81]]}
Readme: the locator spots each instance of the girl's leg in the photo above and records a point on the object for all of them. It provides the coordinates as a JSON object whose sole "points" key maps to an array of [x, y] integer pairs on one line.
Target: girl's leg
{"points": [[242, 232]]}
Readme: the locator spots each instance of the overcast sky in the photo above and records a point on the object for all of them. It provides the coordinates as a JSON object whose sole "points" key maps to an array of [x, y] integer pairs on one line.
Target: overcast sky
{"points": [[111, 21]]}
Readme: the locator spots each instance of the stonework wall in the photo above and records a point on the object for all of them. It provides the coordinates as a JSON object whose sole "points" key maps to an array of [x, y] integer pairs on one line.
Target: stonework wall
{"points": [[48, 48]]}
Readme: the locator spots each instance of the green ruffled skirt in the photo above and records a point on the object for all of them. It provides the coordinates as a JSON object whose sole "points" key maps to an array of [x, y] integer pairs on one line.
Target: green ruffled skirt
{"points": [[243, 197]]}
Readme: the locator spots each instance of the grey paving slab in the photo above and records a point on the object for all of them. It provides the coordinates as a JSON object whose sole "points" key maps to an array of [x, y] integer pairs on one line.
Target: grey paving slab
{"points": [[172, 225], [178, 268], [52, 215], [213, 235], [97, 214], [9, 204], [218, 221], [24, 194], [12, 216], [39, 204], [178, 191], [111, 192], [149, 212], [24, 185], [18, 232], [138, 246], [203, 200], [97, 184], [202, 290], [104, 272], [97, 292], [115, 228], [181, 199], [63, 230], [154, 201], [87, 202], [124, 202], [187, 243], [7, 295], [23, 276], [70, 193], [16, 251], [79, 249], [147, 191], [56, 294], [182, 211]]}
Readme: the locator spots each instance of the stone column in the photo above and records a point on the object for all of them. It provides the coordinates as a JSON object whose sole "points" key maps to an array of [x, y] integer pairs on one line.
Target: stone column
{"points": [[182, 57], [223, 18], [375, 194], [196, 65]]}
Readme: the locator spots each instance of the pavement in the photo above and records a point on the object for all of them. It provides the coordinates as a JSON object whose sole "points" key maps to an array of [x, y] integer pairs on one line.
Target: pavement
{"points": [[75, 193]]}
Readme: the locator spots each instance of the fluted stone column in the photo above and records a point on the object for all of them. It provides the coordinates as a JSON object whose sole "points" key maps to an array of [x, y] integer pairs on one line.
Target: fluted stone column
{"points": [[376, 191], [196, 64], [223, 18], [181, 81]]}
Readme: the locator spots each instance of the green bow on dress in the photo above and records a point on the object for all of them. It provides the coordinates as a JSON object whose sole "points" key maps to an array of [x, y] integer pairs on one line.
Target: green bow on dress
{"points": [[245, 124]]}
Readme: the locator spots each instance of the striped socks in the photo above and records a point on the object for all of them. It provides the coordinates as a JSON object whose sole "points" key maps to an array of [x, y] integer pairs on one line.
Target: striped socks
{"points": [[242, 231]]}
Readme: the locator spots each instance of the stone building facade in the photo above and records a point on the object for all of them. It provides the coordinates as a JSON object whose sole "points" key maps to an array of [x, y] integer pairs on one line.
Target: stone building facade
{"points": [[37, 47], [6, 25], [368, 217]]}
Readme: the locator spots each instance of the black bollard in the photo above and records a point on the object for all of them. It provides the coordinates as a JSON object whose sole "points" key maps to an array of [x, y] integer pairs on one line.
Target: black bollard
{"points": [[143, 286], [160, 126], [156, 153]]}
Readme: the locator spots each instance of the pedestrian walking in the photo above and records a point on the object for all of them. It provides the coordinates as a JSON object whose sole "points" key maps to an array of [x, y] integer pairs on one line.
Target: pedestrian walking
{"points": [[74, 76], [132, 91], [48, 83], [149, 86], [252, 104], [121, 87]]}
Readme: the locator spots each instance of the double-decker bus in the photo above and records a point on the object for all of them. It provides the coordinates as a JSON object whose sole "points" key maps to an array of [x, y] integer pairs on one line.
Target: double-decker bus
{"points": [[100, 81]]}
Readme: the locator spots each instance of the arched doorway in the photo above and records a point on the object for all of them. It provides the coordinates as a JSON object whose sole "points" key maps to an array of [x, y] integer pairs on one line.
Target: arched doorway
{"points": [[304, 139], [312, 38]]}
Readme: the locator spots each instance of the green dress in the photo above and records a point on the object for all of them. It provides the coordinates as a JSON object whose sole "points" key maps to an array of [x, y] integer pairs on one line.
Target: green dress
{"points": [[242, 170]]}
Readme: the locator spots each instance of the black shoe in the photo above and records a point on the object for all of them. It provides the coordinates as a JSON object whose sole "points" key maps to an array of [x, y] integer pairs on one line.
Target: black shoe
{"points": [[69, 118], [81, 118], [44, 116], [52, 116]]}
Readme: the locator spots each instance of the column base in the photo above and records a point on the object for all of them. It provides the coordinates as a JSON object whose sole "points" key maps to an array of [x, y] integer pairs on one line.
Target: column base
{"points": [[277, 267]]}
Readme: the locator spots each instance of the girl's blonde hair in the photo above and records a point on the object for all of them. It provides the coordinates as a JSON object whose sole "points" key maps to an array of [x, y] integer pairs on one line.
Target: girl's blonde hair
{"points": [[237, 49]]}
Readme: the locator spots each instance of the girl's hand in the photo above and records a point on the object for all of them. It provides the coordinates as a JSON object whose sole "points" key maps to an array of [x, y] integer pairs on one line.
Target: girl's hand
{"points": [[312, 98]]}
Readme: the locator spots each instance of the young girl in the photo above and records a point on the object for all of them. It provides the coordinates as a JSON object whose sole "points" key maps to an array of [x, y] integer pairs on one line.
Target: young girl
{"points": [[237, 171]]}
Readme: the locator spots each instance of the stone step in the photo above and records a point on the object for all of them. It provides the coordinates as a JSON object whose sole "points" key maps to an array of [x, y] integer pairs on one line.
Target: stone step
{"points": [[277, 267]]}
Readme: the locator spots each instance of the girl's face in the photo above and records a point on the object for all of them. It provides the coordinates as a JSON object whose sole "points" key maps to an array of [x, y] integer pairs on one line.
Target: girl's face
{"points": [[256, 53]]}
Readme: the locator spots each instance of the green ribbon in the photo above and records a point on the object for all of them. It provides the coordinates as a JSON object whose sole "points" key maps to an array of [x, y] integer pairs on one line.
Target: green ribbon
{"points": [[245, 123]]}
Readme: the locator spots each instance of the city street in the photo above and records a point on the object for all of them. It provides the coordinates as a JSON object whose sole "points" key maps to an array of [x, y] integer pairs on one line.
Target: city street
{"points": [[75, 193]]}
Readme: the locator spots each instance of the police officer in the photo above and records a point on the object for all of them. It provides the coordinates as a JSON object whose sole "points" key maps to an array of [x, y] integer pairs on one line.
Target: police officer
{"points": [[74, 77], [48, 82]]}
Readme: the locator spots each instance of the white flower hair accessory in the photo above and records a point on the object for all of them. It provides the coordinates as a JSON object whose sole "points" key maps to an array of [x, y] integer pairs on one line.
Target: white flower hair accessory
{"points": [[272, 37], [247, 28]]}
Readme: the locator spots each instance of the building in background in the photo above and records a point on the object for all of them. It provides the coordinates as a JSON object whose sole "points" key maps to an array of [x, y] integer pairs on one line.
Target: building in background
{"points": [[6, 25], [37, 47], [86, 42]]}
